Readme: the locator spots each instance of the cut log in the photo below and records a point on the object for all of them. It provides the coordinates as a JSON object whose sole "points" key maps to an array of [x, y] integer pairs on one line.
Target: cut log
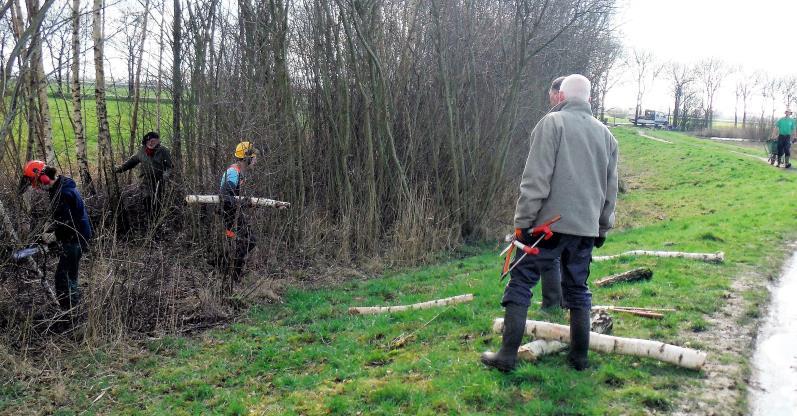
{"points": [[214, 199], [682, 357], [634, 275], [707, 257], [601, 324], [373, 310]]}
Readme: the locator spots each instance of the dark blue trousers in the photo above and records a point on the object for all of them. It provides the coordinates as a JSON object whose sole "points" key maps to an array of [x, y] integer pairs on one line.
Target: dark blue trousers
{"points": [[575, 254], [66, 275]]}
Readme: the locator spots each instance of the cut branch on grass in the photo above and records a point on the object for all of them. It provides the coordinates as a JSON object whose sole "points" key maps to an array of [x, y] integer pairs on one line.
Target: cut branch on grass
{"points": [[680, 356], [373, 310], [641, 273], [718, 257], [601, 323]]}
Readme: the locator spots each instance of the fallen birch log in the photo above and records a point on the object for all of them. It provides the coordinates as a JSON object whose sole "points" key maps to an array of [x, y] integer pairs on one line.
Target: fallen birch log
{"points": [[214, 199], [680, 356], [707, 257], [601, 323], [634, 275], [373, 310]]}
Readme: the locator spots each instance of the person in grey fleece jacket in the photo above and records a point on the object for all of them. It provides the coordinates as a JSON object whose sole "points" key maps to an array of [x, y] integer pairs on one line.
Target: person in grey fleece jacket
{"points": [[571, 171]]}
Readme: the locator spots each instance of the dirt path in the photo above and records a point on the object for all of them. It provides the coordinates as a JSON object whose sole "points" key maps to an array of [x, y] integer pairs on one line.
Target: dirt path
{"points": [[641, 133], [729, 342]]}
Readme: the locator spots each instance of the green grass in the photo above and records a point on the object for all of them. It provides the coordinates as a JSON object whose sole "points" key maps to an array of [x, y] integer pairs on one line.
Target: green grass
{"points": [[119, 109], [308, 356]]}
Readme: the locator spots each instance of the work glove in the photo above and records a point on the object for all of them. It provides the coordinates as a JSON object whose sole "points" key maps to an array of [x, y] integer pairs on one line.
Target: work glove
{"points": [[47, 238], [599, 241]]}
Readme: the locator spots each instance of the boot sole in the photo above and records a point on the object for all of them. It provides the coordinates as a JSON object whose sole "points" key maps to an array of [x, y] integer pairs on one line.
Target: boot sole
{"points": [[499, 367]]}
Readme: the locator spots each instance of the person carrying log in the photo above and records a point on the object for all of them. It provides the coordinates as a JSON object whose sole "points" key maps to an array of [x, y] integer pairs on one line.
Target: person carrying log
{"points": [[571, 170], [785, 131], [70, 227], [236, 228], [155, 167]]}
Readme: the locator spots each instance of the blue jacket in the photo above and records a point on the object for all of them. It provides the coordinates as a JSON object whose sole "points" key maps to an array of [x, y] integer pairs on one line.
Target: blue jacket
{"points": [[71, 221]]}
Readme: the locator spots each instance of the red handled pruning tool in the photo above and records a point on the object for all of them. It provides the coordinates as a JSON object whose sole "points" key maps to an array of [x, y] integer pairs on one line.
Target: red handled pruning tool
{"points": [[545, 232]]}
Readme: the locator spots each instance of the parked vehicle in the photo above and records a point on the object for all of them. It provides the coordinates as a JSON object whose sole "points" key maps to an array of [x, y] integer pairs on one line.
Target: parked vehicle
{"points": [[652, 118]]}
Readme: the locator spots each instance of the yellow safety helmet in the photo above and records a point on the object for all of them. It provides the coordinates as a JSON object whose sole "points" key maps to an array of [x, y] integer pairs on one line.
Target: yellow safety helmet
{"points": [[244, 150]]}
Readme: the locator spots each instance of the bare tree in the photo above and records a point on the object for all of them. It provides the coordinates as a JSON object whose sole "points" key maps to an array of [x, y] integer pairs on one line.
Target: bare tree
{"points": [[680, 76], [711, 72], [39, 85], [646, 70], [745, 87], [104, 132], [77, 115]]}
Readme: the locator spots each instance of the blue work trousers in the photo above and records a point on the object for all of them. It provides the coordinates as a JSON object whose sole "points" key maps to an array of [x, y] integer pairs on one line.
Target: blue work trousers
{"points": [[575, 254]]}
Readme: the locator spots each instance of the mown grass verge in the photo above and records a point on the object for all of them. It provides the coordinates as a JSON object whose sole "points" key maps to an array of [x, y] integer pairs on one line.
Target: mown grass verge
{"points": [[308, 356]]}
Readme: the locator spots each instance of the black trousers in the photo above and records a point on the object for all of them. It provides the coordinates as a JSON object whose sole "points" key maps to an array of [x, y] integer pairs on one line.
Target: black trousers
{"points": [[240, 241], [66, 275], [784, 145], [575, 254]]}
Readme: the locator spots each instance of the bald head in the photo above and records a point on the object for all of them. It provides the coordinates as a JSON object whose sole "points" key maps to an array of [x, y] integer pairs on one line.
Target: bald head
{"points": [[576, 87]]}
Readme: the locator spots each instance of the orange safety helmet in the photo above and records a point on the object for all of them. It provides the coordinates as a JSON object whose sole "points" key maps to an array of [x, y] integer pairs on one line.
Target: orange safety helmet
{"points": [[34, 171]]}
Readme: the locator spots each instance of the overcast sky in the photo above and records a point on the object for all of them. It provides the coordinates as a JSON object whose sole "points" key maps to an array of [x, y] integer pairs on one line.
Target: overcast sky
{"points": [[753, 34]]}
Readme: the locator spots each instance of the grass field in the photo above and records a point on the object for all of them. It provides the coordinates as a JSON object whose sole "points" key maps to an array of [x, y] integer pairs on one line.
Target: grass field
{"points": [[308, 356], [119, 118]]}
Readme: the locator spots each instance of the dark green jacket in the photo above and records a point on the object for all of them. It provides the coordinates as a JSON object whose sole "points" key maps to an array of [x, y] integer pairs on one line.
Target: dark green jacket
{"points": [[153, 169]]}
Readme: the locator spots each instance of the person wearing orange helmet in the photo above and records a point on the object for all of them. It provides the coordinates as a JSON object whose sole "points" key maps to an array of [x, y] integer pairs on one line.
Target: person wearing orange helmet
{"points": [[70, 226], [233, 215]]}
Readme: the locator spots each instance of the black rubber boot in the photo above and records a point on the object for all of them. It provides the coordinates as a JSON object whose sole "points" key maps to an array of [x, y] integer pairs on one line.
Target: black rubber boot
{"points": [[551, 283], [579, 339], [514, 326], [786, 164]]}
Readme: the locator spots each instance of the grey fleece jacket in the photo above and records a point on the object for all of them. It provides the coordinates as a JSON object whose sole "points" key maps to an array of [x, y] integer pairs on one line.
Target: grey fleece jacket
{"points": [[571, 171]]}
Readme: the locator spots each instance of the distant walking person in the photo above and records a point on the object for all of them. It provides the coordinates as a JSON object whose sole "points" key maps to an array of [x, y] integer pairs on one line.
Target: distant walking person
{"points": [[70, 226], [155, 167], [571, 171], [237, 229], [785, 130]]}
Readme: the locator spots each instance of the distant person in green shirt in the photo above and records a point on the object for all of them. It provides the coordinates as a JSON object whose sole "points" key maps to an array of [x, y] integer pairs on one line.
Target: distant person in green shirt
{"points": [[785, 129]]}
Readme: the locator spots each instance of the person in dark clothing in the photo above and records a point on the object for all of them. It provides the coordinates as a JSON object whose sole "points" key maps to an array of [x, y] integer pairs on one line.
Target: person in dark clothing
{"points": [[155, 166], [70, 227], [237, 229]]}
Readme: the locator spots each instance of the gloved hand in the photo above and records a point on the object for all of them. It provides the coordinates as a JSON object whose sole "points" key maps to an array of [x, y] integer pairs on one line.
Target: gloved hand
{"points": [[599, 241], [522, 235], [117, 169], [47, 238]]}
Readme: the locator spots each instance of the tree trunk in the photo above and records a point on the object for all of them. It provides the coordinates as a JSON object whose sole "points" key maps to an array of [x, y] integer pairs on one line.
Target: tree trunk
{"points": [[177, 82], [601, 324], [373, 310], [707, 257], [104, 132], [40, 80], [77, 116], [629, 276], [680, 356], [137, 90]]}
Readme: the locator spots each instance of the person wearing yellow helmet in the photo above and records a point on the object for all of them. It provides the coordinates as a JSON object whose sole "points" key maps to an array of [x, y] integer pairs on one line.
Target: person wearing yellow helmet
{"points": [[233, 214]]}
